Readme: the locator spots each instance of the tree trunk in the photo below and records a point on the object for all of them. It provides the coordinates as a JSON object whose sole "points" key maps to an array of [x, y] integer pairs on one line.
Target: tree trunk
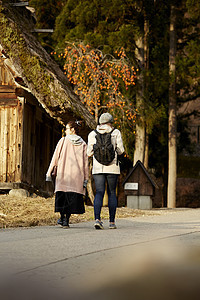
{"points": [[140, 126], [141, 140], [139, 144], [89, 185], [146, 154], [146, 66], [172, 134]]}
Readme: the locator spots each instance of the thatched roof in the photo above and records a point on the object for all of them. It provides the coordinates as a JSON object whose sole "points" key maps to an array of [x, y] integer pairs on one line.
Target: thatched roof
{"points": [[39, 72]]}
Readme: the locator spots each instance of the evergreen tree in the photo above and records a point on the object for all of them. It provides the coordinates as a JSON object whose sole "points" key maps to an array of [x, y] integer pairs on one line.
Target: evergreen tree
{"points": [[111, 24], [188, 56], [46, 12], [105, 24]]}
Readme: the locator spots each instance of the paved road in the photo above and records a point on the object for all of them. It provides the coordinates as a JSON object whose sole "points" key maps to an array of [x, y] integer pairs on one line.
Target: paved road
{"points": [[138, 258]]}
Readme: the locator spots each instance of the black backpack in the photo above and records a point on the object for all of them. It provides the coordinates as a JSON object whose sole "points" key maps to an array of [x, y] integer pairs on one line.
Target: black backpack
{"points": [[103, 149]]}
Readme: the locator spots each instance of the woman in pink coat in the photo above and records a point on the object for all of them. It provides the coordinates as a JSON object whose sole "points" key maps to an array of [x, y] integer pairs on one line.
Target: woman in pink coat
{"points": [[70, 157]]}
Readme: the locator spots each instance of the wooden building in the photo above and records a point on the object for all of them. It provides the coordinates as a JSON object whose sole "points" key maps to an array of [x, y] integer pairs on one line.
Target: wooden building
{"points": [[139, 187], [28, 135]]}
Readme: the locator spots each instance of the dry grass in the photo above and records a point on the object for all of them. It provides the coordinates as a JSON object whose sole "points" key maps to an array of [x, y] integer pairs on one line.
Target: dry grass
{"points": [[39, 211]]}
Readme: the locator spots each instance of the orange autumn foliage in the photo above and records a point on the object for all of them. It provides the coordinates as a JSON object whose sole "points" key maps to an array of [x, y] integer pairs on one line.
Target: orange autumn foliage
{"points": [[101, 81]]}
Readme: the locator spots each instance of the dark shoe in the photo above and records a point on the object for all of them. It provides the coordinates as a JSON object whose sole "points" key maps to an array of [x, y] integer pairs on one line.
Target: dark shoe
{"points": [[98, 224], [65, 223], [112, 226], [60, 221]]}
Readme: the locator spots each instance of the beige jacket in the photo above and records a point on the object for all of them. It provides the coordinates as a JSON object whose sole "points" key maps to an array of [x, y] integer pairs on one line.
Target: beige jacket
{"points": [[116, 139], [72, 165]]}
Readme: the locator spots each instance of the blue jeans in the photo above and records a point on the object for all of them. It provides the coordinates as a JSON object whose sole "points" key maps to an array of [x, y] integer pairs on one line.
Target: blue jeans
{"points": [[100, 181]]}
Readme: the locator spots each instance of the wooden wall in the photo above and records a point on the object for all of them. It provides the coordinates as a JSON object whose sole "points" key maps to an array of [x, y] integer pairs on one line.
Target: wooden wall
{"points": [[11, 126], [41, 134], [10, 141], [28, 136]]}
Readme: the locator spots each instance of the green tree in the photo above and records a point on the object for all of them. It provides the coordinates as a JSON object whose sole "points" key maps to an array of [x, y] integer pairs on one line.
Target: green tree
{"points": [[188, 52], [105, 24], [46, 12], [111, 24]]}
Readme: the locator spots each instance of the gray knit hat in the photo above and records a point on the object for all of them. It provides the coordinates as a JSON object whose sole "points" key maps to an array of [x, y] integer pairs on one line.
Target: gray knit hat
{"points": [[105, 118]]}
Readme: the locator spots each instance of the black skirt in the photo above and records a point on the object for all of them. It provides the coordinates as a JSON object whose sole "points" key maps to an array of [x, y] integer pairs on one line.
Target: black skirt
{"points": [[69, 202]]}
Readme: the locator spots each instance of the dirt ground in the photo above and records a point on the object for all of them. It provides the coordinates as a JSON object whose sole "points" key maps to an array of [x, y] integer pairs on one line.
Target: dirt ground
{"points": [[39, 211]]}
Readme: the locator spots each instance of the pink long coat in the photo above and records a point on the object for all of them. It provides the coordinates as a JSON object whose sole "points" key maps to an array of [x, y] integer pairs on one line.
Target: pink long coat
{"points": [[72, 164]]}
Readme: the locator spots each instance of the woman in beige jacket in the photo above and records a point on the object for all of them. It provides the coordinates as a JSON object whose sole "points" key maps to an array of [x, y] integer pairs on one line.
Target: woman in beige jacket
{"points": [[71, 160]]}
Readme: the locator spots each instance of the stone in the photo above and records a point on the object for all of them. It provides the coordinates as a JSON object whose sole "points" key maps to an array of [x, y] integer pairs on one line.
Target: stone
{"points": [[19, 193]]}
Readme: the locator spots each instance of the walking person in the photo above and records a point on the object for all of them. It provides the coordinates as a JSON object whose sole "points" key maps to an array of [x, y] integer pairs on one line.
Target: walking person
{"points": [[70, 157], [105, 144]]}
